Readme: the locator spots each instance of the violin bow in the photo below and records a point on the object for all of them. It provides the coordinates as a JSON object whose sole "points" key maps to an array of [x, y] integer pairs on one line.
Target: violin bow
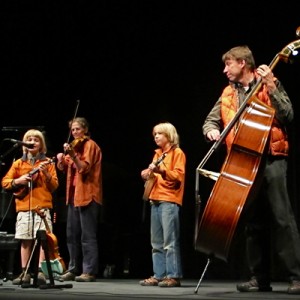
{"points": [[75, 114]]}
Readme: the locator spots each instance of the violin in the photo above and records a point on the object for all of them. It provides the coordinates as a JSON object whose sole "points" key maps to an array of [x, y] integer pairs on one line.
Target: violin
{"points": [[76, 144], [52, 244]]}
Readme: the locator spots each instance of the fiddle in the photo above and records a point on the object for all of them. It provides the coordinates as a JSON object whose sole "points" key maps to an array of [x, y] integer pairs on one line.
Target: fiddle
{"points": [[52, 244], [76, 144]]}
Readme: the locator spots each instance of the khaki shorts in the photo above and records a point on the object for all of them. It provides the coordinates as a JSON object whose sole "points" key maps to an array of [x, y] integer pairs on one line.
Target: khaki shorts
{"points": [[30, 220]]}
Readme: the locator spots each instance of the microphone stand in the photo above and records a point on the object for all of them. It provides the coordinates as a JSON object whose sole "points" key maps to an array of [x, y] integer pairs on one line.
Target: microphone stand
{"points": [[16, 145], [41, 239], [2, 156]]}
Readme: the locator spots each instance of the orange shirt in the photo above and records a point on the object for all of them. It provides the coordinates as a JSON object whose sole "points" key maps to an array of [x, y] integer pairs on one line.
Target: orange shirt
{"points": [[88, 181], [170, 187], [41, 194]]}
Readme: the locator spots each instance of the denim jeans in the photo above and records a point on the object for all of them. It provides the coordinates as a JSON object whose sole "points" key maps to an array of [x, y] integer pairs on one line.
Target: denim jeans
{"points": [[82, 230], [165, 240]]}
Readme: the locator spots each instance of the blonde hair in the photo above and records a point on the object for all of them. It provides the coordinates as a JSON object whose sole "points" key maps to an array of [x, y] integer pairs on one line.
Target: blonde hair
{"points": [[39, 135], [169, 131]]}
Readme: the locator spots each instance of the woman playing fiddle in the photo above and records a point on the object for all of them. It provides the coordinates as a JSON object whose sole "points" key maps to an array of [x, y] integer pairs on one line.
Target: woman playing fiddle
{"points": [[82, 164], [33, 179]]}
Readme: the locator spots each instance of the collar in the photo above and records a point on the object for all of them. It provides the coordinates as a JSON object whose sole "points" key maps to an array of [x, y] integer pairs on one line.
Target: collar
{"points": [[39, 156]]}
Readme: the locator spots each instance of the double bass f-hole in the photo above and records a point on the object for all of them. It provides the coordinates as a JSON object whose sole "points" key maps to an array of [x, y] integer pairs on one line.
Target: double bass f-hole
{"points": [[238, 178]]}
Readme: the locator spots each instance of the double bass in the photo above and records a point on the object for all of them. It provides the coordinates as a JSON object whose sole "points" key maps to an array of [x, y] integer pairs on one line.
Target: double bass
{"points": [[239, 175]]}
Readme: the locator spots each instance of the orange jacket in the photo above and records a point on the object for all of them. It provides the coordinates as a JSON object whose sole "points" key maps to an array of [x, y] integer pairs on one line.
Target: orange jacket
{"points": [[88, 186], [42, 190], [171, 186], [279, 141]]}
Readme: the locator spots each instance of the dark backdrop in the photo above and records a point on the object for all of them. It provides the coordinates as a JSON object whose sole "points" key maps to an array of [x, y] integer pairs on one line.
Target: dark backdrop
{"points": [[133, 64]]}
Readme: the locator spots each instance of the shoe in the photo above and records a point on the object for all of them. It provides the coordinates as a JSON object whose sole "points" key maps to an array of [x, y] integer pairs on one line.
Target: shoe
{"points": [[21, 279], [85, 277], [253, 286], [69, 276], [170, 282], [109, 271], [41, 279], [151, 281], [294, 287]]}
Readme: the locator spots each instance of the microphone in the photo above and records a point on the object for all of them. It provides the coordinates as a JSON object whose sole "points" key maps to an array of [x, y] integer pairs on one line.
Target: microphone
{"points": [[28, 145]]}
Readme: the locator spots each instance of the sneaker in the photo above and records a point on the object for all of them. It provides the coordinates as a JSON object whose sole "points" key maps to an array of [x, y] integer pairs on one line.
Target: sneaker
{"points": [[294, 287], [69, 276], [21, 279], [41, 278], [253, 286], [170, 282], [151, 281], [85, 277]]}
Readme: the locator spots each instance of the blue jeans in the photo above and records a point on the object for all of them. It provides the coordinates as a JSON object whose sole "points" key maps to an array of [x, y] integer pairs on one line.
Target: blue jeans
{"points": [[82, 242], [165, 240]]}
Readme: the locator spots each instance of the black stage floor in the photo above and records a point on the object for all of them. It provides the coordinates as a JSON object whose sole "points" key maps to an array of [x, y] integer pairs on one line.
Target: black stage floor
{"points": [[130, 289]]}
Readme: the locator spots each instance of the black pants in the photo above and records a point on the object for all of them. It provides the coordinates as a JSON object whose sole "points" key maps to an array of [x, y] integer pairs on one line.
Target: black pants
{"points": [[271, 221]]}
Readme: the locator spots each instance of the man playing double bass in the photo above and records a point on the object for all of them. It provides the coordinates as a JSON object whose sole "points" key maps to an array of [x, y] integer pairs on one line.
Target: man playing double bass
{"points": [[271, 209]]}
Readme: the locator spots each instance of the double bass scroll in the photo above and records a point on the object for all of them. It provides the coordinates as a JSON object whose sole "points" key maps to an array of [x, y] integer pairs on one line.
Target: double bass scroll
{"points": [[237, 181]]}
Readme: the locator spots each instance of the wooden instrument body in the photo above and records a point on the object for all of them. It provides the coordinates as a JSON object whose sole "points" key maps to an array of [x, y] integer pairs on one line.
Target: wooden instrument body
{"points": [[234, 185], [149, 183], [52, 242], [24, 190]]}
